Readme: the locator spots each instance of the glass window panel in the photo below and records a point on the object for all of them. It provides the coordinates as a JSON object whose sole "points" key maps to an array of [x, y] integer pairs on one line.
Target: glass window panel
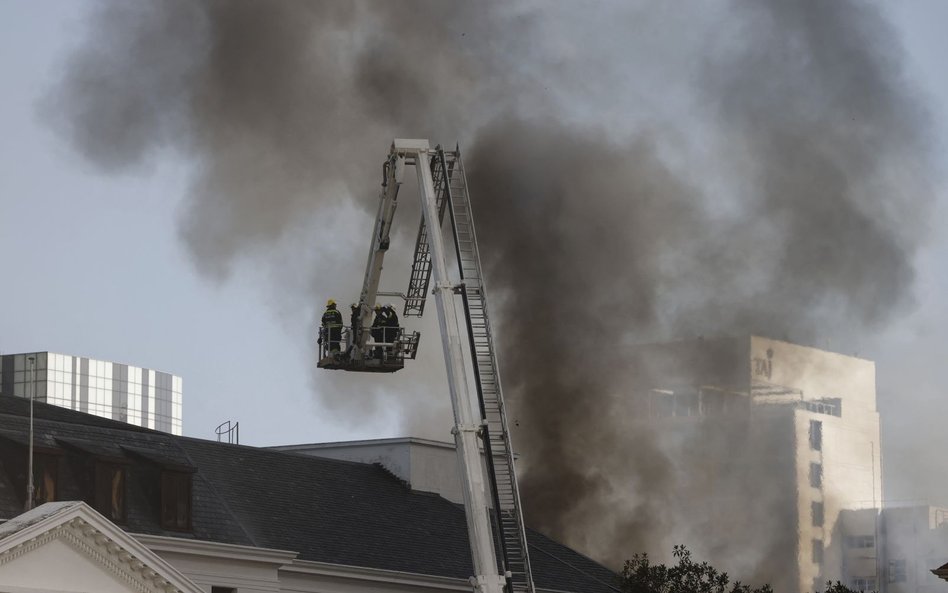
{"points": [[816, 475]]}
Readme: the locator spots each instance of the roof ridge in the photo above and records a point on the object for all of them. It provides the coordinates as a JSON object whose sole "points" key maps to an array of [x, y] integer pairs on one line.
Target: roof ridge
{"points": [[80, 416]]}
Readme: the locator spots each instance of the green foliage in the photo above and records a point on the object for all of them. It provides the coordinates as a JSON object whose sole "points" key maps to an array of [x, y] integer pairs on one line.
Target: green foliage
{"points": [[838, 587], [641, 576]]}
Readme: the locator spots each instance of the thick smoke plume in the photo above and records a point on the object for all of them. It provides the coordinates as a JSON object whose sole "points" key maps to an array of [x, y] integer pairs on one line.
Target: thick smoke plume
{"points": [[626, 189]]}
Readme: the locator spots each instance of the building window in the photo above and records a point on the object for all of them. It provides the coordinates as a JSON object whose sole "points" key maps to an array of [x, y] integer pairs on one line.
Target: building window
{"points": [[176, 500], [110, 490], [861, 541], [816, 475], [216, 589], [816, 435], [817, 551], [44, 479], [817, 511], [897, 571], [863, 584], [14, 466]]}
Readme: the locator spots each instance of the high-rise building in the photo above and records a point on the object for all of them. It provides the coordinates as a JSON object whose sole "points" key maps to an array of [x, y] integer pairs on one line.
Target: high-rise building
{"points": [[139, 396], [770, 441]]}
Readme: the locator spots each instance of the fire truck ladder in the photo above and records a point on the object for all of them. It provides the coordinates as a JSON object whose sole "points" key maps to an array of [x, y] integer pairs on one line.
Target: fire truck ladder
{"points": [[420, 277], [448, 174]]}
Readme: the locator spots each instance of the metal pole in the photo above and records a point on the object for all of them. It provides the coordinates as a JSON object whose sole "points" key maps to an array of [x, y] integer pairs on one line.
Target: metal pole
{"points": [[29, 471]]}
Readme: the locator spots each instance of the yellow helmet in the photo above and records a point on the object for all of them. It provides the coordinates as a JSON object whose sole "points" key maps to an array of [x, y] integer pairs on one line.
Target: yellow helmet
{"points": [[330, 303]]}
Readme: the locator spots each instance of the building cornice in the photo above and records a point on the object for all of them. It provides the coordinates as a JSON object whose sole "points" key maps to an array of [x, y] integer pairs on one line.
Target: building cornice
{"points": [[325, 569], [194, 547]]}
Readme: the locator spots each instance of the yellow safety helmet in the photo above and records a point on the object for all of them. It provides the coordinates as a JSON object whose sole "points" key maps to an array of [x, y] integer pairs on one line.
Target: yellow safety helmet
{"points": [[330, 303]]}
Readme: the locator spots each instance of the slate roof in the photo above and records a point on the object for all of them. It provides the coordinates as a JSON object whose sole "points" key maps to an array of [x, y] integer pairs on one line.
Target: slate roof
{"points": [[941, 572], [326, 510]]}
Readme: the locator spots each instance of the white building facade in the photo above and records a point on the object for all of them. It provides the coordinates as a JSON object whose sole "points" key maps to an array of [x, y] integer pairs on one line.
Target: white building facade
{"points": [[136, 395]]}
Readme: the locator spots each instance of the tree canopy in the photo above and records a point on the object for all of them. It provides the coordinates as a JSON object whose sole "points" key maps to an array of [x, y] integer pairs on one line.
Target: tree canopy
{"points": [[640, 575]]}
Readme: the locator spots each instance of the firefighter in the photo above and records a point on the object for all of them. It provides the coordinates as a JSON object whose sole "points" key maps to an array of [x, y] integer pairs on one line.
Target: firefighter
{"points": [[355, 323], [332, 326], [378, 329], [355, 320], [390, 322]]}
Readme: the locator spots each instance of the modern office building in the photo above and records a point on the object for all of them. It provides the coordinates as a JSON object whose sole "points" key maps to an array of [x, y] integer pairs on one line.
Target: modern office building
{"points": [[139, 396], [769, 442]]}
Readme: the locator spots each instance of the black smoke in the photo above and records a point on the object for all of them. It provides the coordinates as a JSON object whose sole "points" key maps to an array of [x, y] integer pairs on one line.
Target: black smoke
{"points": [[638, 175]]}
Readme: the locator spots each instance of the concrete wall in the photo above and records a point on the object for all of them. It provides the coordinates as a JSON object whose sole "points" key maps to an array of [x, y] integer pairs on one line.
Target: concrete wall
{"points": [[206, 571], [915, 541], [817, 373]]}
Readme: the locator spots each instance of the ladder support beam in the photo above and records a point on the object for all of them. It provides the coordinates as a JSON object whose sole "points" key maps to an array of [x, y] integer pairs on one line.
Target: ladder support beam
{"points": [[487, 579]]}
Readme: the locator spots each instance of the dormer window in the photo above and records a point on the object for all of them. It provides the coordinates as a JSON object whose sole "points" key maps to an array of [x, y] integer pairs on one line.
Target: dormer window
{"points": [[175, 500], [14, 465], [110, 490], [44, 478]]}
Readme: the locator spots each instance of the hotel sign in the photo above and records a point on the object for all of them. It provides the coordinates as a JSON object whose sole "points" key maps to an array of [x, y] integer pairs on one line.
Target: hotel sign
{"points": [[763, 367]]}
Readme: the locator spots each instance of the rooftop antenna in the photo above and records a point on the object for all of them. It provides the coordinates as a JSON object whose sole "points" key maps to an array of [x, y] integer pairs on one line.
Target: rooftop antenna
{"points": [[29, 471], [228, 431]]}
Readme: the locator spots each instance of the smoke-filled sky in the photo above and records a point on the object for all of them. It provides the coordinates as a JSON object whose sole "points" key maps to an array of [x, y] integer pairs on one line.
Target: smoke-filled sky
{"points": [[185, 183]]}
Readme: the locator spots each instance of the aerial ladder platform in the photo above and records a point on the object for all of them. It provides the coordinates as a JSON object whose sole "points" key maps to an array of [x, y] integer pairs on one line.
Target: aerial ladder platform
{"points": [[493, 509]]}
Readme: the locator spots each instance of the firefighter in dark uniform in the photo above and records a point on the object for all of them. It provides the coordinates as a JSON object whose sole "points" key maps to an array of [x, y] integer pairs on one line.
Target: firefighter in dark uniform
{"points": [[378, 330], [355, 324], [332, 326], [390, 321]]}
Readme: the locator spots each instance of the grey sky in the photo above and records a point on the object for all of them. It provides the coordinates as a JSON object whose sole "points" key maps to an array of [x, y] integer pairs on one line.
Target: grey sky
{"points": [[94, 267]]}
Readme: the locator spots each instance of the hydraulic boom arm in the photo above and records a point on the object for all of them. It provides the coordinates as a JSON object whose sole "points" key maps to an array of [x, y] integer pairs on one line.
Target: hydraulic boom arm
{"points": [[392, 173]]}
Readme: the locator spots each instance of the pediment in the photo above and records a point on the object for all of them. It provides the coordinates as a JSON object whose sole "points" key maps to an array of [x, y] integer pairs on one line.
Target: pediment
{"points": [[70, 547]]}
